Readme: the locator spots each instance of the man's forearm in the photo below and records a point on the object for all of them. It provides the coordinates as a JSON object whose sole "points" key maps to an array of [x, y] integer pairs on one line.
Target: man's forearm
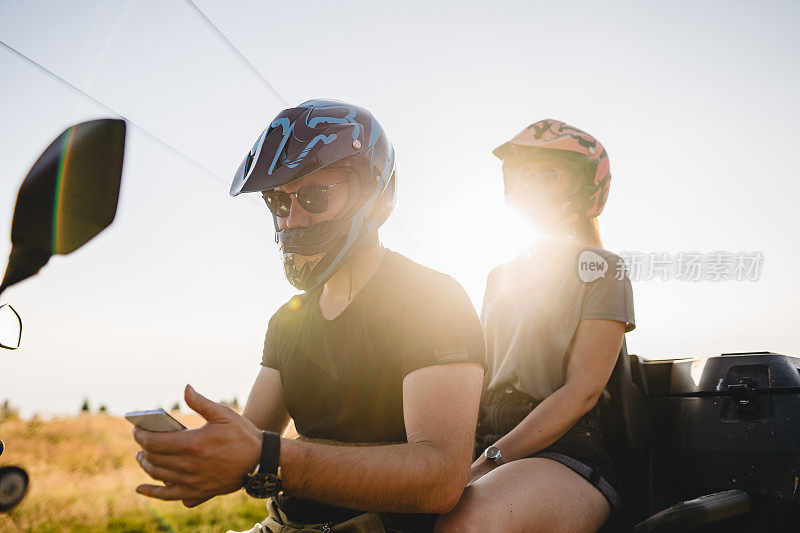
{"points": [[410, 477]]}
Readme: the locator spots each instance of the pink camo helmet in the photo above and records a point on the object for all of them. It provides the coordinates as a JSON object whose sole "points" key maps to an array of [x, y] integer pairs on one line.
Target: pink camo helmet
{"points": [[551, 134]]}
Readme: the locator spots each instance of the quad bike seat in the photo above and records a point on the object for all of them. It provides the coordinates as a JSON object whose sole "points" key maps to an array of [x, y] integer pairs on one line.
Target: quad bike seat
{"points": [[624, 414]]}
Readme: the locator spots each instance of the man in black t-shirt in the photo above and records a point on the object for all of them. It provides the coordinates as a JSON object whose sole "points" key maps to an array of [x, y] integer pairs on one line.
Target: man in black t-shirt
{"points": [[344, 379], [378, 351]]}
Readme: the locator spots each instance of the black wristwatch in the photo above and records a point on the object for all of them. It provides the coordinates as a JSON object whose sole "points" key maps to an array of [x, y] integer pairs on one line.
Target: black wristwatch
{"points": [[265, 480], [492, 453]]}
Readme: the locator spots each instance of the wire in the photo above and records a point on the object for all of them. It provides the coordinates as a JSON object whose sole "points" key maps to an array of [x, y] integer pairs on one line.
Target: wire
{"points": [[267, 84], [152, 136], [146, 132], [236, 51]]}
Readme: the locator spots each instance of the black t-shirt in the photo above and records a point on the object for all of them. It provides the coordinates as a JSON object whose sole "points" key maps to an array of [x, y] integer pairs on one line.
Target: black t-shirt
{"points": [[343, 378]]}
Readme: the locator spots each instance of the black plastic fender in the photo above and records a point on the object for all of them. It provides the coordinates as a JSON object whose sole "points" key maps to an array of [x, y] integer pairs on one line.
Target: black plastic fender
{"points": [[688, 515]]}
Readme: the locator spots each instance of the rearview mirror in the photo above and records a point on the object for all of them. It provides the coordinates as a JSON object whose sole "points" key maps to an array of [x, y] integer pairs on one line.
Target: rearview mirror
{"points": [[10, 327], [69, 196]]}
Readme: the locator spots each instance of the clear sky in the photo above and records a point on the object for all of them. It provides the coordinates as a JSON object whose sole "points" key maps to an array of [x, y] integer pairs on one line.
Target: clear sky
{"points": [[696, 104]]}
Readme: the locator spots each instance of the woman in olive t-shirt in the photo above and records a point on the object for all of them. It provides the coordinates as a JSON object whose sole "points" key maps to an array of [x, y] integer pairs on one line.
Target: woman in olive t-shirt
{"points": [[554, 320]]}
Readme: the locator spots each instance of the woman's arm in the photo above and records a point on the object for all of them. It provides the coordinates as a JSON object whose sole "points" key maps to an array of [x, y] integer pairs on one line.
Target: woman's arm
{"points": [[594, 353], [265, 406]]}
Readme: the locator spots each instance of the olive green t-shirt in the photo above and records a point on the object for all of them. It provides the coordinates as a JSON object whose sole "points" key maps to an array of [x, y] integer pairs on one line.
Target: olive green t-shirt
{"points": [[532, 308], [343, 378]]}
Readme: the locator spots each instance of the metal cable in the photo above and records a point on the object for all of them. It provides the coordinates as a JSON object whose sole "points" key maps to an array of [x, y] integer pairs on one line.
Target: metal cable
{"points": [[236, 51], [146, 132]]}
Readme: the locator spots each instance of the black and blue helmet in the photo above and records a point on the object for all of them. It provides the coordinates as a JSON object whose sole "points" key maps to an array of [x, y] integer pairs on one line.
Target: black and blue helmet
{"points": [[304, 139]]}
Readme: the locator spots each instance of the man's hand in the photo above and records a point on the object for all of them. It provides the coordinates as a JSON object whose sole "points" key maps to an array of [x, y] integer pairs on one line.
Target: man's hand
{"points": [[198, 464]]}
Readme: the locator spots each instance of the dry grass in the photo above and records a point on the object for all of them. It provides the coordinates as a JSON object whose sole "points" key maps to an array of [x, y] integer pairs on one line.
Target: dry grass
{"points": [[83, 475]]}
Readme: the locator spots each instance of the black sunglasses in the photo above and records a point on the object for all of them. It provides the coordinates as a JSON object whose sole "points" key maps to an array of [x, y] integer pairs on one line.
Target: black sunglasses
{"points": [[312, 198]]}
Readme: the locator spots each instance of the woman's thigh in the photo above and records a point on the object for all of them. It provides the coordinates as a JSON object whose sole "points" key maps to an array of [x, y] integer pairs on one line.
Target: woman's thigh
{"points": [[534, 494]]}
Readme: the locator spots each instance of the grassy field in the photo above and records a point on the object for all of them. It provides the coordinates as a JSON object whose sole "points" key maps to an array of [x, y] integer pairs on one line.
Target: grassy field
{"points": [[83, 475]]}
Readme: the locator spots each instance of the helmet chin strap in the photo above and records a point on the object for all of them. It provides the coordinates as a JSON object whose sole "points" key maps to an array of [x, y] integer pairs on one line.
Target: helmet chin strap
{"points": [[367, 243], [349, 278], [353, 194]]}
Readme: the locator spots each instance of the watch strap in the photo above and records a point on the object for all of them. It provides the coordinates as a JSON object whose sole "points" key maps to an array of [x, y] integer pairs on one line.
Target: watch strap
{"points": [[265, 480], [270, 453]]}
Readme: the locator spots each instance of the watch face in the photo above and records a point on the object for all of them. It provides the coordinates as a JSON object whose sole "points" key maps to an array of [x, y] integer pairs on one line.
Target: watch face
{"points": [[492, 453], [262, 485]]}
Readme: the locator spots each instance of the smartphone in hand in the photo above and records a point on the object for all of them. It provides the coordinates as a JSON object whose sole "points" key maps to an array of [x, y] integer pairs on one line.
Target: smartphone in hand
{"points": [[157, 420]]}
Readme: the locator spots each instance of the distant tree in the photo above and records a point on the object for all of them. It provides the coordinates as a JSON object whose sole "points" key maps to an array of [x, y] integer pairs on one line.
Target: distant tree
{"points": [[233, 404], [102, 409], [8, 411], [176, 406], [85, 407]]}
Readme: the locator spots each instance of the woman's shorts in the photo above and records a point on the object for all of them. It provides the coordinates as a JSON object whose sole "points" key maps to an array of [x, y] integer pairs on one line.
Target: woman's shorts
{"points": [[581, 448]]}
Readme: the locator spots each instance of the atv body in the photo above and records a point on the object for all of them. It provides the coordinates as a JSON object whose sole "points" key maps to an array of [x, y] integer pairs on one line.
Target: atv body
{"points": [[707, 444]]}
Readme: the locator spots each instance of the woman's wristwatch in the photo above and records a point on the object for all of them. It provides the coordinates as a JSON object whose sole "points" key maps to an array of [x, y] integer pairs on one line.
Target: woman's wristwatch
{"points": [[492, 453], [265, 480]]}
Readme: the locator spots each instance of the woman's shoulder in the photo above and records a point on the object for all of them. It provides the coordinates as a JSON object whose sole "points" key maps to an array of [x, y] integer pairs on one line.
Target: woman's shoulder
{"points": [[549, 260], [553, 254], [594, 260], [610, 257]]}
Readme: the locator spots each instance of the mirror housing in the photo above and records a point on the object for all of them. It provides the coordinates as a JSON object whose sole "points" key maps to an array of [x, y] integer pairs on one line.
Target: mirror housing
{"points": [[10, 328], [69, 196]]}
